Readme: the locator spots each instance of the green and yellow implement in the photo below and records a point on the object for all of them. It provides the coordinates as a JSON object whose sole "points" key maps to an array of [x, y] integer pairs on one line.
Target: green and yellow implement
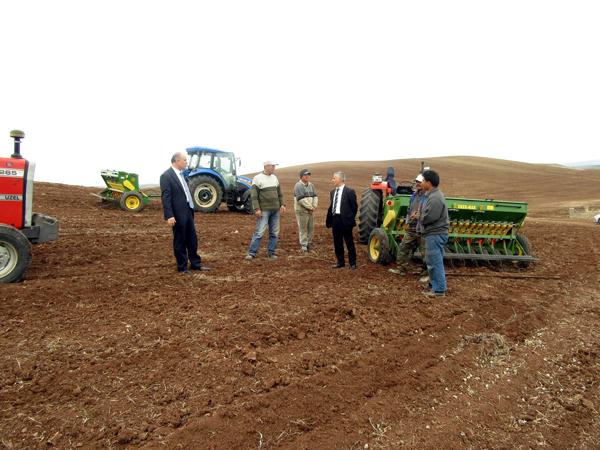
{"points": [[123, 188], [481, 231]]}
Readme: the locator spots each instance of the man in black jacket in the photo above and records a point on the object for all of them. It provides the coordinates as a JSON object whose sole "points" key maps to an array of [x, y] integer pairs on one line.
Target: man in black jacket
{"points": [[178, 209], [341, 219]]}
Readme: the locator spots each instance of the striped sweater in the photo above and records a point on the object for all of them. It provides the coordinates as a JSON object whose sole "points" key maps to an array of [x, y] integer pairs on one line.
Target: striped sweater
{"points": [[266, 193]]}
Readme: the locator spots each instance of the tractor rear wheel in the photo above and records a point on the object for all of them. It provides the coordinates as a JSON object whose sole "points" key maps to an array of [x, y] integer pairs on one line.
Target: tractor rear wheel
{"points": [[206, 193], [524, 248], [132, 201], [379, 247], [370, 214], [15, 254]]}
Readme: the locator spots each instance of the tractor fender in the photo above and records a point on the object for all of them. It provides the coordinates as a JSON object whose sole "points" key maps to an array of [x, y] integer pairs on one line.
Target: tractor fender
{"points": [[206, 172]]}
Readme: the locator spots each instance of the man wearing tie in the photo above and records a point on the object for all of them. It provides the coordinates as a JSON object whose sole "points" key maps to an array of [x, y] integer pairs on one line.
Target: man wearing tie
{"points": [[178, 209], [341, 218]]}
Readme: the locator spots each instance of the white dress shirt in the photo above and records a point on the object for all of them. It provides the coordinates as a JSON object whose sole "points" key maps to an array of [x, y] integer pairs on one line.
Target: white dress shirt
{"points": [[337, 206]]}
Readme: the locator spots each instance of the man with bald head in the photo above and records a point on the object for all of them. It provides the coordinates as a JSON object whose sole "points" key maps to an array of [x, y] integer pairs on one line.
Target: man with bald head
{"points": [[178, 209]]}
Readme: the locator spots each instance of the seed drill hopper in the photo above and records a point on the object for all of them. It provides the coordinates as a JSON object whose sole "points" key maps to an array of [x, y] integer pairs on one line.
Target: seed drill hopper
{"points": [[123, 188], [481, 231]]}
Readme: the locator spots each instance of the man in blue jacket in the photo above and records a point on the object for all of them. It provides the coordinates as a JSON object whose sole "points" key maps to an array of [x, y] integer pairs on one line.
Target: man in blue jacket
{"points": [[435, 224], [178, 210]]}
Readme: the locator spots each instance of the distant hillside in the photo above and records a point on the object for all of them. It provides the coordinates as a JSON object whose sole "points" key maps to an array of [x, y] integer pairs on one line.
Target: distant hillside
{"points": [[548, 189], [585, 165]]}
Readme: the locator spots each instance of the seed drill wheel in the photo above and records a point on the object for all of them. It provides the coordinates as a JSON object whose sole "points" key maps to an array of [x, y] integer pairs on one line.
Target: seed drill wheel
{"points": [[132, 201], [523, 247], [369, 215], [15, 254], [206, 193], [379, 247]]}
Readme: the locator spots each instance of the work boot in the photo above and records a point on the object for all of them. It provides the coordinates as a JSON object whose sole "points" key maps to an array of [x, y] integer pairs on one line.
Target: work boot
{"points": [[424, 279], [433, 294], [397, 271], [272, 257], [249, 257]]}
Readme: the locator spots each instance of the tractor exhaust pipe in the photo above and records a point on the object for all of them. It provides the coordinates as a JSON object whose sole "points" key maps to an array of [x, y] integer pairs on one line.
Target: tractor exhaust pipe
{"points": [[17, 135]]}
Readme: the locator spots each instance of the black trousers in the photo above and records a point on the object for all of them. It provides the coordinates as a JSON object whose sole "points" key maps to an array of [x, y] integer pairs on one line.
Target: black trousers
{"points": [[185, 242], [343, 234]]}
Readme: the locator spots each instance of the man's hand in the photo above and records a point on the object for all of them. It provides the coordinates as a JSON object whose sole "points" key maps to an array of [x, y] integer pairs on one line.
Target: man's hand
{"points": [[171, 221], [258, 213], [282, 209]]}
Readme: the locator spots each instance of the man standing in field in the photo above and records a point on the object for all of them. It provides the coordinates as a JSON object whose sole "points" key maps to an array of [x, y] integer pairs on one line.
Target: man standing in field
{"points": [[435, 222], [341, 218], [178, 210], [412, 236], [305, 203], [267, 202]]}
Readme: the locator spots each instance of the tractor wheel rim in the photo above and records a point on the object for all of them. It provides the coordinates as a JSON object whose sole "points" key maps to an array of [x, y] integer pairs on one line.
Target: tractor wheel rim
{"points": [[132, 202], [206, 195], [374, 247], [8, 258]]}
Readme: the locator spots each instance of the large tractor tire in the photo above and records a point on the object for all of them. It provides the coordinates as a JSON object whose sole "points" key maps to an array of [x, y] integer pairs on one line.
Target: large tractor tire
{"points": [[525, 249], [206, 193], [379, 247], [15, 254], [370, 214], [132, 201]]}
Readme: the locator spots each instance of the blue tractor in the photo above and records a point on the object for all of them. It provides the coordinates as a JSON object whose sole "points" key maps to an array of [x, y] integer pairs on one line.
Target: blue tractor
{"points": [[212, 178]]}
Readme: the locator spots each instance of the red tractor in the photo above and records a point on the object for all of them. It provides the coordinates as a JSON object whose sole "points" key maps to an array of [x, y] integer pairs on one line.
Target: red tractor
{"points": [[19, 226]]}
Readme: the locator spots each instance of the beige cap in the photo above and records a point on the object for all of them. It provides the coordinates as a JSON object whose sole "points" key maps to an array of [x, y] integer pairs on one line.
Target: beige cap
{"points": [[419, 178], [269, 163]]}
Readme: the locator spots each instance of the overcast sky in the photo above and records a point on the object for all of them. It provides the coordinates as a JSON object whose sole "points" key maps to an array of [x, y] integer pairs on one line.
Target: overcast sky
{"points": [[124, 84]]}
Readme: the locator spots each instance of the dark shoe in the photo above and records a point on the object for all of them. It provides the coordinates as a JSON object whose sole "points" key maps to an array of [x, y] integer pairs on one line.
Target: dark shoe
{"points": [[249, 257], [352, 266], [337, 266], [201, 268], [185, 272], [433, 294]]}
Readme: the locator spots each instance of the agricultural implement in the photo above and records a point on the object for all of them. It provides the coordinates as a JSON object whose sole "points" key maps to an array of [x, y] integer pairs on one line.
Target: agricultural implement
{"points": [[481, 231], [123, 188]]}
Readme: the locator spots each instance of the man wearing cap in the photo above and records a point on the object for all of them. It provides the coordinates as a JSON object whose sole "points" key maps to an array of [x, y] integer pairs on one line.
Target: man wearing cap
{"points": [[305, 203], [435, 222], [412, 232], [267, 202]]}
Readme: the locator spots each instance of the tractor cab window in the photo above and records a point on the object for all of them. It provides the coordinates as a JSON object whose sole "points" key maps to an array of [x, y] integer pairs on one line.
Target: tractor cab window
{"points": [[205, 160], [193, 163], [223, 163]]}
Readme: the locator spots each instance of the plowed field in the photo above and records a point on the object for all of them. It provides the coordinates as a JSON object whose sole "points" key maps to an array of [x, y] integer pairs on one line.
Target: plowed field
{"points": [[105, 345]]}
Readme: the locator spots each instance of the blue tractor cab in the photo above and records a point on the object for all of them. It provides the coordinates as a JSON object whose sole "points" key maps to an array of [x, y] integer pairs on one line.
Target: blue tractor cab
{"points": [[212, 178]]}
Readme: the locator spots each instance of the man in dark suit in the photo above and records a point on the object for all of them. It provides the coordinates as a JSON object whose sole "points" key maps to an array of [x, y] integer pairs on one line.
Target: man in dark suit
{"points": [[178, 209], [341, 218]]}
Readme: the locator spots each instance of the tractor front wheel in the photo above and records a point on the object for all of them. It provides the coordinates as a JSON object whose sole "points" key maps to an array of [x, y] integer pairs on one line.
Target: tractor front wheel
{"points": [[370, 214], [379, 247], [206, 193], [15, 254], [132, 201]]}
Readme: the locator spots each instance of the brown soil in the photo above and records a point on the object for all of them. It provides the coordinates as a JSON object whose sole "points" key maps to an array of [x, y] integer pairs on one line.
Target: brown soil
{"points": [[104, 345]]}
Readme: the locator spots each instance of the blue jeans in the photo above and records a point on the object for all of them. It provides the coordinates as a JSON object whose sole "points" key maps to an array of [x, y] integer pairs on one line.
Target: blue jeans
{"points": [[270, 219], [434, 257]]}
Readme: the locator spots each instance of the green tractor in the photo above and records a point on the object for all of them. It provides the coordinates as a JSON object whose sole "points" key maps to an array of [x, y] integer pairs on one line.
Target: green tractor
{"points": [[481, 231]]}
